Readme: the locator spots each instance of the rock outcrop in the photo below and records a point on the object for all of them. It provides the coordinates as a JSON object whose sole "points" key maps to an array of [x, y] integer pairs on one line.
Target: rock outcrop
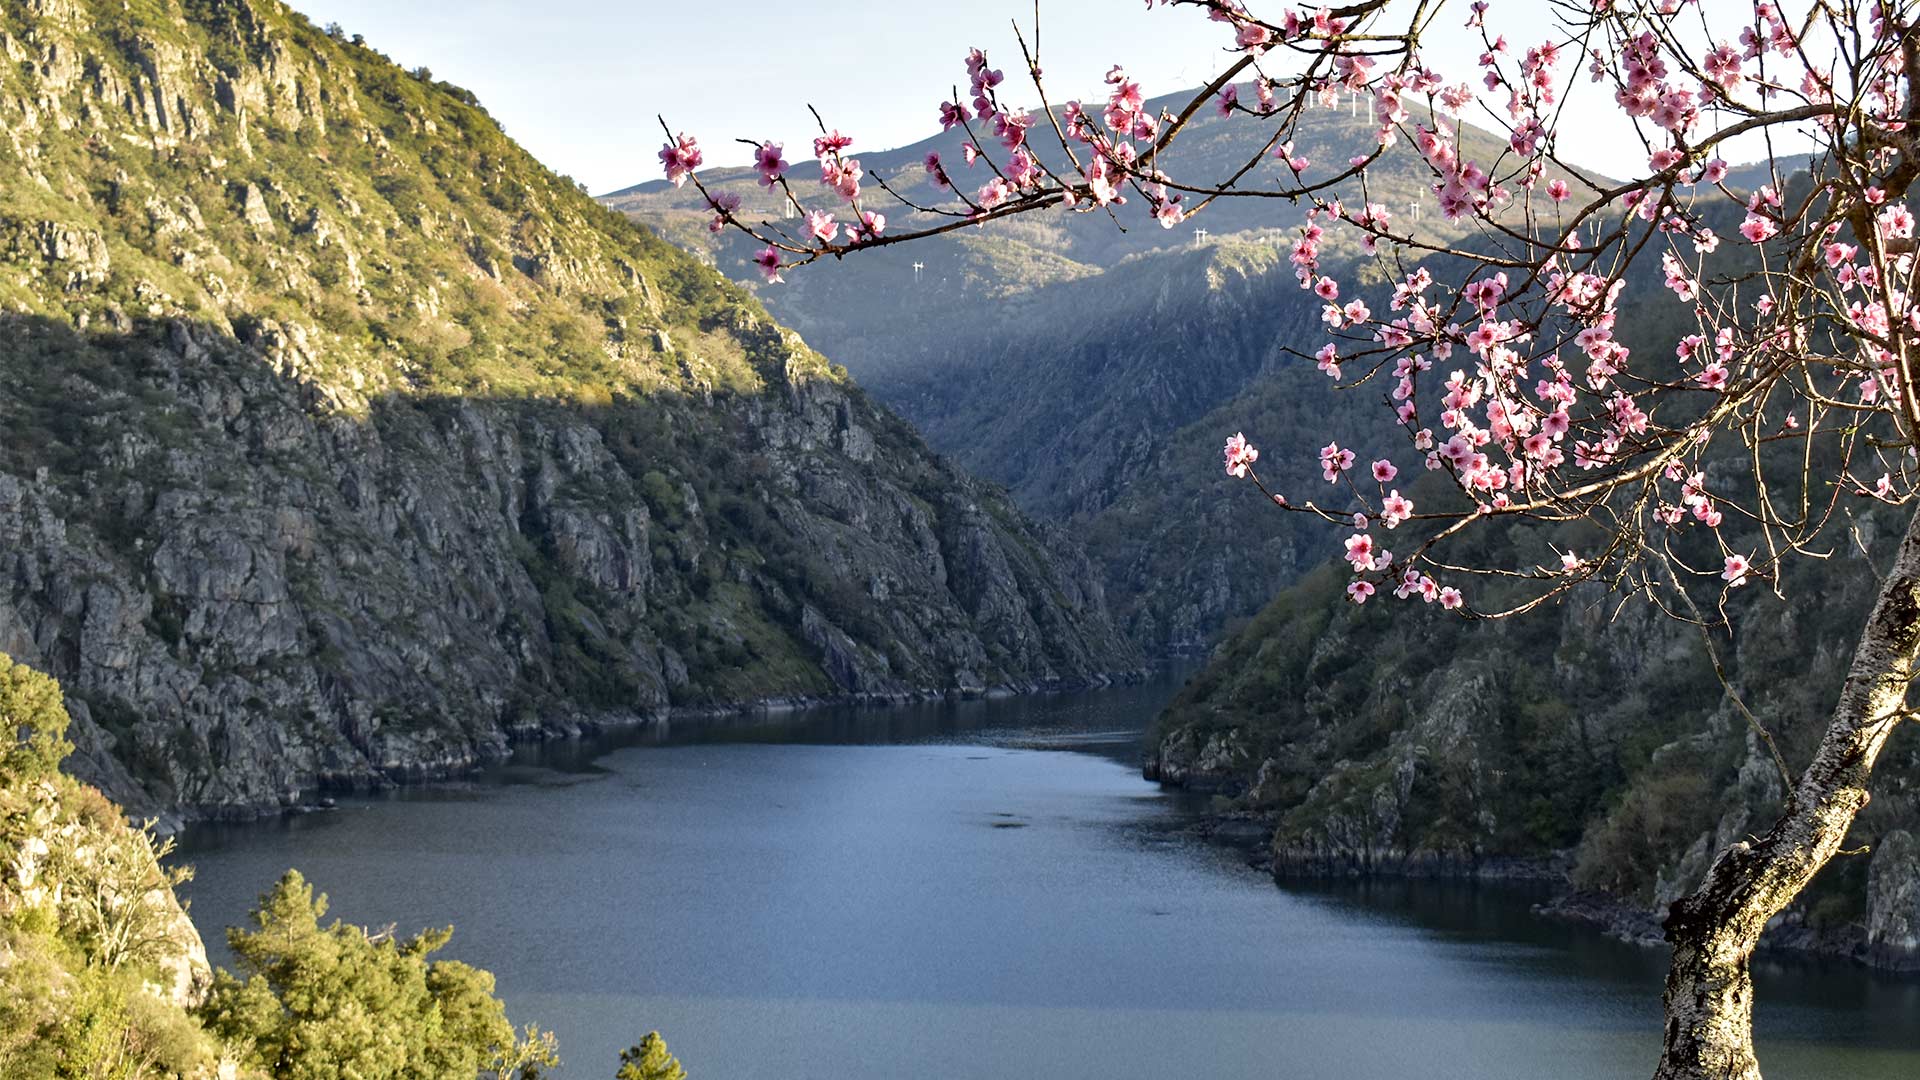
{"points": [[1589, 744], [1893, 901]]}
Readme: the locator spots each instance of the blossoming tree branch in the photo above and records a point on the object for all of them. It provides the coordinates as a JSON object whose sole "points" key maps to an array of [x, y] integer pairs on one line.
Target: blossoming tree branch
{"points": [[1787, 399]]}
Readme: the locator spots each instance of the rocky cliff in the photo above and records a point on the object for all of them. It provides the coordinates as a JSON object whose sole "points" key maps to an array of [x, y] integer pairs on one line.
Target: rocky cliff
{"points": [[1590, 744], [343, 442]]}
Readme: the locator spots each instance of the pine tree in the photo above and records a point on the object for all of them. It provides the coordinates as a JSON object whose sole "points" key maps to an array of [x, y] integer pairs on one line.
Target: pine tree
{"points": [[649, 1061], [319, 1002]]}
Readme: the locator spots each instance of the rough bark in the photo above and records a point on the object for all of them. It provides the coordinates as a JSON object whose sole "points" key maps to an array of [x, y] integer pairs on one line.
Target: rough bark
{"points": [[1709, 1033]]}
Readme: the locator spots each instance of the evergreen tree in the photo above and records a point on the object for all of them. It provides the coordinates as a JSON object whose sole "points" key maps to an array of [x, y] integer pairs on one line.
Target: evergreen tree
{"points": [[322, 1002], [649, 1061]]}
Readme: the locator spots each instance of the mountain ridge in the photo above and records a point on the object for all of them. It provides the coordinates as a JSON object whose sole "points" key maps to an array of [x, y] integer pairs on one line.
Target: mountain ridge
{"points": [[1104, 363]]}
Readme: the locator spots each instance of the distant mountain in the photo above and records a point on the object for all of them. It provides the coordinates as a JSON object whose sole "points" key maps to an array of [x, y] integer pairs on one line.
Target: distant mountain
{"points": [[1753, 174], [1095, 369], [1211, 146], [341, 441]]}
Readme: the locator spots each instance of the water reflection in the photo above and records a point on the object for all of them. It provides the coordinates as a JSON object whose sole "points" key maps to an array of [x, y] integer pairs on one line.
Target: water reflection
{"points": [[1107, 722]]}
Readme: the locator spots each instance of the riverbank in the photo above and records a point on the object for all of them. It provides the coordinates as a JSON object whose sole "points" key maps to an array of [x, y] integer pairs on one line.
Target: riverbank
{"points": [[1792, 934], [454, 765]]}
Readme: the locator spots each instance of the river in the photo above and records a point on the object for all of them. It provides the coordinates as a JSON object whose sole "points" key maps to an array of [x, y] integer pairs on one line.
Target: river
{"points": [[986, 890]]}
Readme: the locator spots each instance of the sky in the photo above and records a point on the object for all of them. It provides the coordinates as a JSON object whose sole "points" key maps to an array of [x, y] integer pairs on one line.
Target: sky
{"points": [[580, 82]]}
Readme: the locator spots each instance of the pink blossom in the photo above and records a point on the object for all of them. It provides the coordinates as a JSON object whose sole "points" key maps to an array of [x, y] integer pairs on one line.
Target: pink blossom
{"points": [[724, 203], [1737, 568], [1557, 190], [867, 229], [1328, 358], [1896, 221], [1360, 551], [1676, 272], [1334, 461], [1527, 136], [1395, 509], [1240, 455], [1100, 183], [769, 164], [843, 176], [833, 143], [769, 263], [680, 157], [1358, 591], [993, 193], [1757, 228], [821, 227], [1723, 66], [1451, 599], [1384, 471]]}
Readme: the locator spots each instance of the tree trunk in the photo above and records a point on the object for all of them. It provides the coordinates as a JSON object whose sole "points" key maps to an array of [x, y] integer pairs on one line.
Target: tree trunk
{"points": [[1713, 931]]}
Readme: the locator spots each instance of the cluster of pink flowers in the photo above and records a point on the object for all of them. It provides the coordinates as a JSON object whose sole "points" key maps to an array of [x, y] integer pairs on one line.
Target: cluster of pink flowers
{"points": [[1126, 113], [681, 157], [724, 204], [768, 260], [768, 163], [866, 227], [1364, 556], [1760, 223], [981, 79], [1464, 187], [843, 176], [1240, 455], [1334, 461], [1514, 386]]}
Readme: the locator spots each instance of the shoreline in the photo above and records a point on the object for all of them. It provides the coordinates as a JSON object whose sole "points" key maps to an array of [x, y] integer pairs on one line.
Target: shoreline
{"points": [[1788, 937], [320, 795]]}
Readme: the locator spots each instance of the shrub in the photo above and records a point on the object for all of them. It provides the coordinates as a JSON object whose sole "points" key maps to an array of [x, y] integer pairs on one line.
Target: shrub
{"points": [[322, 1002], [33, 723]]}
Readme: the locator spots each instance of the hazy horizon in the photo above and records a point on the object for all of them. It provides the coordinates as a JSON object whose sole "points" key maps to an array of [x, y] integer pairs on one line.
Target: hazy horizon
{"points": [[592, 76]]}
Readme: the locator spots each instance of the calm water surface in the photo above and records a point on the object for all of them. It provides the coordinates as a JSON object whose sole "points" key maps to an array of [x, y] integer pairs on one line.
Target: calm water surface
{"points": [[985, 890]]}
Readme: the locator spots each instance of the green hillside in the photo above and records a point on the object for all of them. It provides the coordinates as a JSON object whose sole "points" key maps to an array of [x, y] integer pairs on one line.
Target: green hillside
{"points": [[345, 442]]}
